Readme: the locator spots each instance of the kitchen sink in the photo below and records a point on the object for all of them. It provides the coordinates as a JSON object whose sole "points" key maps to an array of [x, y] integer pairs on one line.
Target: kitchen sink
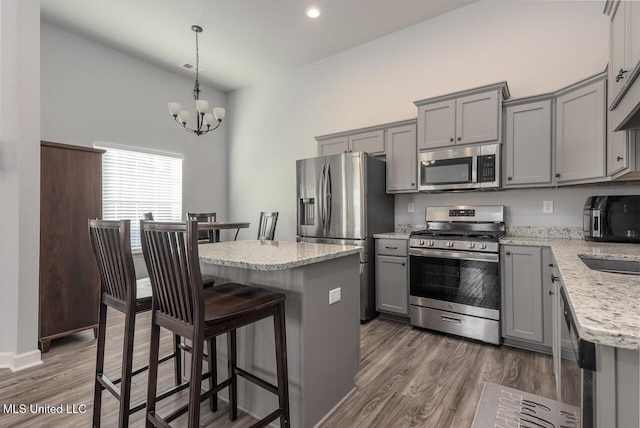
{"points": [[627, 267]]}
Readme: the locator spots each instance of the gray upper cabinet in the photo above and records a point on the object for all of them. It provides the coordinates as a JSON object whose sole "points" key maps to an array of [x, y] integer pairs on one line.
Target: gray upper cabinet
{"points": [[333, 146], [528, 143], [624, 47], [581, 132], [522, 294], [466, 117], [368, 141], [618, 146], [401, 159]]}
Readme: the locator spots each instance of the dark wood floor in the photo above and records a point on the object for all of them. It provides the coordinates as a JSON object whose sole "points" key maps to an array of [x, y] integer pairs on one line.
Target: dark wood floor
{"points": [[409, 377]]}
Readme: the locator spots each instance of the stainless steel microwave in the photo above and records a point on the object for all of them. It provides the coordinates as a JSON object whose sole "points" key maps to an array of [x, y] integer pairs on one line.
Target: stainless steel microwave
{"points": [[460, 168]]}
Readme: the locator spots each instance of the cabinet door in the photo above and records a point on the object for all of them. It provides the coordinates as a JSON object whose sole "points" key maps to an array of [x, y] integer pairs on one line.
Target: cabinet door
{"points": [[528, 144], [401, 159], [333, 146], [522, 293], [617, 151], [370, 142], [580, 134], [436, 125], [477, 118], [633, 36], [392, 293], [617, 55]]}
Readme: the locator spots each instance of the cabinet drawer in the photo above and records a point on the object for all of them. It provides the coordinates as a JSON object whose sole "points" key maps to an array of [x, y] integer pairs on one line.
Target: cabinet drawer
{"points": [[391, 247]]}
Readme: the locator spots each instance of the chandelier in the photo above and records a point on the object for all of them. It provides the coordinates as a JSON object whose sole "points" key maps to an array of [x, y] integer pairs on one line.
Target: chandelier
{"points": [[203, 117]]}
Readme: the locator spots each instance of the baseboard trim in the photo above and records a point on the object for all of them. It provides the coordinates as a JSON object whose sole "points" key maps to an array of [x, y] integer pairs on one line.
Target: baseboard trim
{"points": [[333, 410], [19, 362]]}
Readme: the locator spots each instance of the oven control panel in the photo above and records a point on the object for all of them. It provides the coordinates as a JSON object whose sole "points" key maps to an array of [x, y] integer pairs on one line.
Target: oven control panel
{"points": [[462, 213], [460, 244]]}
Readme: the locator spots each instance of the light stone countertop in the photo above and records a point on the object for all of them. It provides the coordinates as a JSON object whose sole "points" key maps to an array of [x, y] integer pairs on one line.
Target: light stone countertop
{"points": [[606, 305], [271, 255], [392, 235]]}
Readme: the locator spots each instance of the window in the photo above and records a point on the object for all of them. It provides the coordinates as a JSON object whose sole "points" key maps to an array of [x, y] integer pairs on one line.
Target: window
{"points": [[135, 182]]}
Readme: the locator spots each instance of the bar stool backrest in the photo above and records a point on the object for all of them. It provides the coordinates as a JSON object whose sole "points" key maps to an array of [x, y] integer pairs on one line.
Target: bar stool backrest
{"points": [[267, 225], [111, 243], [148, 216], [171, 254], [204, 235]]}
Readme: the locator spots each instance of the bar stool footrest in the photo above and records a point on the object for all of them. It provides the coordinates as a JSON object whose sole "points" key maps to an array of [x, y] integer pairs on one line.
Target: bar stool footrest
{"points": [[256, 380]]}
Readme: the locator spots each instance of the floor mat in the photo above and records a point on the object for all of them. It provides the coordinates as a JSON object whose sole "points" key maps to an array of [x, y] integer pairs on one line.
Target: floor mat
{"points": [[500, 406]]}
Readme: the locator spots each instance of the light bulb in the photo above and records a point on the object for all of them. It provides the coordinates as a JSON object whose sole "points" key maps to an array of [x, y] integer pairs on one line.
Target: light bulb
{"points": [[219, 113], [174, 108]]}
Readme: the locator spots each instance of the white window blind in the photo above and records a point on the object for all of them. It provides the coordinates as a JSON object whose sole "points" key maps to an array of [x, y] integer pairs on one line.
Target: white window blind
{"points": [[136, 182]]}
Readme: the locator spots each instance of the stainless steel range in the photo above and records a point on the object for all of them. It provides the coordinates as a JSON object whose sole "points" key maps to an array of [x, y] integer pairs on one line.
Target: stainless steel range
{"points": [[454, 279]]}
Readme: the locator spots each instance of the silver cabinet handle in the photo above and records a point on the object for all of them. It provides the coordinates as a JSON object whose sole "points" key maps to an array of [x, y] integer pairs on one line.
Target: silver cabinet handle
{"points": [[391, 248], [508, 253], [619, 158], [554, 278], [551, 293]]}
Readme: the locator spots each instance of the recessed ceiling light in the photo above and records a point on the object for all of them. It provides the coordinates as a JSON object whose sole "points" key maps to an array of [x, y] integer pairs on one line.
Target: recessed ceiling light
{"points": [[313, 12]]}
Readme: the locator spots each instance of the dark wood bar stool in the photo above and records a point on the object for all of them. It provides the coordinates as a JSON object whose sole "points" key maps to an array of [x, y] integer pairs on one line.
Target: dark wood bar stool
{"points": [[205, 236], [111, 245], [181, 305]]}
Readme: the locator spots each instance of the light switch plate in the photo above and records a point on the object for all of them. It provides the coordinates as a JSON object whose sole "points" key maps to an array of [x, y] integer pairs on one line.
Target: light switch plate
{"points": [[334, 295], [411, 207], [547, 207]]}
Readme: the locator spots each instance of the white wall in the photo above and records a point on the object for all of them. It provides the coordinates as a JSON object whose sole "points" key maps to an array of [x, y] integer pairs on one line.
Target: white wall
{"points": [[19, 181], [94, 93], [536, 47]]}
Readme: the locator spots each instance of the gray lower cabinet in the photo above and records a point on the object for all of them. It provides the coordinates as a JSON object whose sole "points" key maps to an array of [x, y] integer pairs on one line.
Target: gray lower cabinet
{"points": [[526, 303], [528, 143], [581, 132], [392, 276], [401, 159]]}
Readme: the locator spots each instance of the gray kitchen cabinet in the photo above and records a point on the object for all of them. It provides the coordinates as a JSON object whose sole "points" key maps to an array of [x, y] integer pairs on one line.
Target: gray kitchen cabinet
{"points": [[581, 132], [528, 143], [370, 141], [466, 117], [524, 305], [624, 47], [401, 158], [392, 276]]}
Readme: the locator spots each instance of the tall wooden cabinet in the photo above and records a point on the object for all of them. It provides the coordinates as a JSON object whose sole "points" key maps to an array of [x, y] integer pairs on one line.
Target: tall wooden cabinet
{"points": [[70, 193]]}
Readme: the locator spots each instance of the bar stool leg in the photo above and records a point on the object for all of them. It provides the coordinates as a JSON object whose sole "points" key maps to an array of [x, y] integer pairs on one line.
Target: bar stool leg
{"points": [[97, 389], [177, 363], [195, 386], [212, 365], [152, 384], [127, 367], [281, 361], [233, 387]]}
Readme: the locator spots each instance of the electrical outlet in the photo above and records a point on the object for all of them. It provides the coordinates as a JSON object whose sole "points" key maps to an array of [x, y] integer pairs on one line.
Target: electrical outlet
{"points": [[411, 208], [334, 295], [547, 207]]}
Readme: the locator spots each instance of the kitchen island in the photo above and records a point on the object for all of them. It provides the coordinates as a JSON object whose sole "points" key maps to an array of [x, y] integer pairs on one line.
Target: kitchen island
{"points": [[323, 340]]}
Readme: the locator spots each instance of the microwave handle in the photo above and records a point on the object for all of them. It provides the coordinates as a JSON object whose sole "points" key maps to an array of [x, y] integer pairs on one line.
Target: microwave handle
{"points": [[596, 229]]}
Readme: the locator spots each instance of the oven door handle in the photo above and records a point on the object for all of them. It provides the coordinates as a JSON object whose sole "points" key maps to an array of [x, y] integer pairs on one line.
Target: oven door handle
{"points": [[457, 255]]}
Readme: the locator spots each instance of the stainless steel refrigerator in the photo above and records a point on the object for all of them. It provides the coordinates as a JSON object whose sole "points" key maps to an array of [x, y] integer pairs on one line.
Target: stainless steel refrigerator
{"points": [[342, 199]]}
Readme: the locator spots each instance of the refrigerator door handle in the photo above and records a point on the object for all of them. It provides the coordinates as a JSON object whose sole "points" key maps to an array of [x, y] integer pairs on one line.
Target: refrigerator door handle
{"points": [[328, 196], [321, 197]]}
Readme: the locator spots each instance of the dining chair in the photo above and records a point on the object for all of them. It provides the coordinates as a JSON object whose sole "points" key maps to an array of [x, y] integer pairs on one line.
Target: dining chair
{"points": [[267, 225], [111, 244], [181, 305], [204, 236]]}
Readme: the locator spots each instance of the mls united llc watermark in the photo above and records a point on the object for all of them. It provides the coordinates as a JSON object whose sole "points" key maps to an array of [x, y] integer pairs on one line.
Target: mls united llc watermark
{"points": [[67, 409]]}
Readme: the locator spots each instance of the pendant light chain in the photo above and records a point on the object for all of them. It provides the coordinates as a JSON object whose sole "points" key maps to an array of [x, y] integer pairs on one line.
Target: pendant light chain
{"points": [[196, 88]]}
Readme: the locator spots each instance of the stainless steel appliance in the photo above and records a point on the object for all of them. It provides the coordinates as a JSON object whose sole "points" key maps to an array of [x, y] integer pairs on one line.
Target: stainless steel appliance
{"points": [[342, 200], [612, 218], [460, 168], [577, 367], [454, 272]]}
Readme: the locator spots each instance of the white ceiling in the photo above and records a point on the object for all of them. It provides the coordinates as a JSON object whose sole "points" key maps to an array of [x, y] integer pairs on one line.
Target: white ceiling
{"points": [[244, 41]]}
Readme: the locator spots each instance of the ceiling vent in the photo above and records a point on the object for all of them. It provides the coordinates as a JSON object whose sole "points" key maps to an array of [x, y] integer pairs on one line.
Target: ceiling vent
{"points": [[188, 66]]}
